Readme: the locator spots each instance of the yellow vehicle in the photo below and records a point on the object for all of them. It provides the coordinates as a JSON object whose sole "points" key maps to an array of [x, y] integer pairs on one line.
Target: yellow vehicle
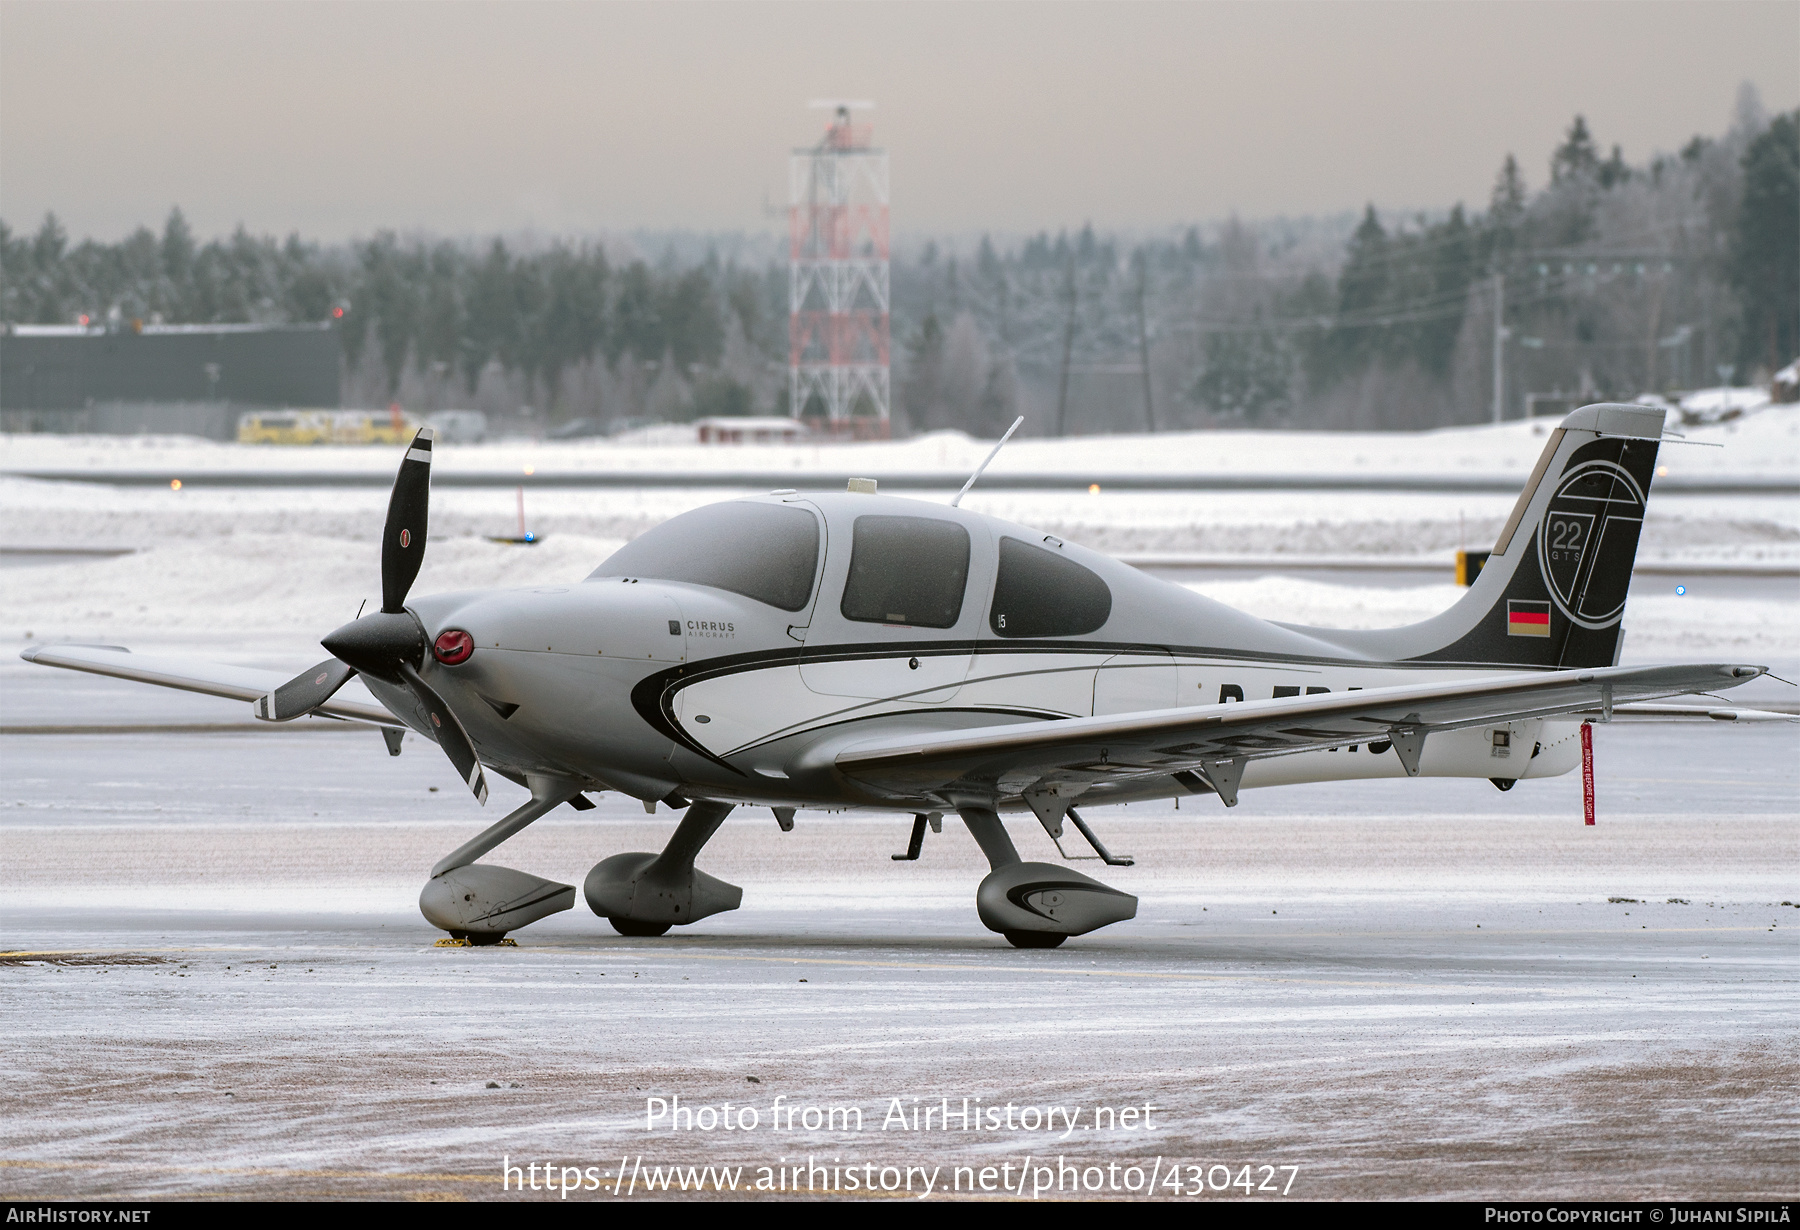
{"points": [[285, 427], [391, 426]]}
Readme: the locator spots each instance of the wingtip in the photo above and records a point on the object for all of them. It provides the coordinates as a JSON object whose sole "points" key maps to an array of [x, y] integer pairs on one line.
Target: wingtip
{"points": [[30, 652]]}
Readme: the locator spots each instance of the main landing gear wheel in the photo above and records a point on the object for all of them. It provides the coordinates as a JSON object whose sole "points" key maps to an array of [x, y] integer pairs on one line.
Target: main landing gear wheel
{"points": [[645, 930], [1037, 905], [643, 895]]}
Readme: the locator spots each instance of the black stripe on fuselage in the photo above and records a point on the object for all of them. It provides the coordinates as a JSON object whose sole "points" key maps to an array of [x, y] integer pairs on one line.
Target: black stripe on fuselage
{"points": [[873, 650], [833, 722], [653, 696]]}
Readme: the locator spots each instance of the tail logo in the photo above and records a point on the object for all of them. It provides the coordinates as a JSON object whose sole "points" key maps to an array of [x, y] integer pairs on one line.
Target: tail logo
{"points": [[1587, 543]]}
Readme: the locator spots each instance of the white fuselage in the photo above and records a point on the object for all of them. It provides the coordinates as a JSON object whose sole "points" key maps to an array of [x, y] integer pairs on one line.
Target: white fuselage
{"points": [[660, 686], [735, 715]]}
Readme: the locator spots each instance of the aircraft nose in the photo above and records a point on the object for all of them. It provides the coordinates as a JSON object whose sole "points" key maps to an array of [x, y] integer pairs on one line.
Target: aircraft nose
{"points": [[606, 619], [376, 644]]}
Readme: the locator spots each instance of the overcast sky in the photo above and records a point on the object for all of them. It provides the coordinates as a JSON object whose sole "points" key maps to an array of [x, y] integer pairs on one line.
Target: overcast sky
{"points": [[334, 119]]}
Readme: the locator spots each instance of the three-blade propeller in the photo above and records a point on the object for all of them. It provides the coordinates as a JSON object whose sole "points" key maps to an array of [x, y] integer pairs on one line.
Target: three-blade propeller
{"points": [[390, 644]]}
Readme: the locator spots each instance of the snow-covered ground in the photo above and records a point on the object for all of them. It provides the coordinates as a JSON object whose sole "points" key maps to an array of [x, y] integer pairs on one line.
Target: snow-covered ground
{"points": [[35, 513], [1766, 444], [284, 564]]}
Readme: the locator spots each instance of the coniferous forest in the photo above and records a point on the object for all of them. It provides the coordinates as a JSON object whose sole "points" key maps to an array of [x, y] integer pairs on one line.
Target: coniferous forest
{"points": [[1613, 279]]}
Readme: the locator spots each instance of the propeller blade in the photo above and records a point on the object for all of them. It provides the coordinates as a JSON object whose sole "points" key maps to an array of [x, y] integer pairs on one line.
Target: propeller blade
{"points": [[408, 517], [450, 733], [305, 692]]}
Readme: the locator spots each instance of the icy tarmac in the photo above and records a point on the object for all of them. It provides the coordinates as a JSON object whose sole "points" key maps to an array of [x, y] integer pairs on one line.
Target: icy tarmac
{"points": [[1379, 989], [1399, 988]]}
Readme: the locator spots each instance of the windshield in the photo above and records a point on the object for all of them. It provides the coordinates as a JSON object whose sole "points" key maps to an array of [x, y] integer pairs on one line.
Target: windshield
{"points": [[768, 552]]}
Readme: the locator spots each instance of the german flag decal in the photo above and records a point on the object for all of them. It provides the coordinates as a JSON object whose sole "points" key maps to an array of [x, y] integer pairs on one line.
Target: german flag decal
{"points": [[1527, 618]]}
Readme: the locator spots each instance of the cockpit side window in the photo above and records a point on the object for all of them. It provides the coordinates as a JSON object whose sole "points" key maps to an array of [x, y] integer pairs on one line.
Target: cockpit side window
{"points": [[1042, 593], [906, 570], [768, 552]]}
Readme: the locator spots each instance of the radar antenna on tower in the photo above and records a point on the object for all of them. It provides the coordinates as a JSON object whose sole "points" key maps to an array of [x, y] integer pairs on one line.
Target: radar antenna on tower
{"points": [[838, 277]]}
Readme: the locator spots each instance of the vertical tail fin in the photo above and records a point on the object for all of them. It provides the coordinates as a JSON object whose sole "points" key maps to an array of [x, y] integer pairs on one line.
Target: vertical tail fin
{"points": [[1553, 591], [1564, 559]]}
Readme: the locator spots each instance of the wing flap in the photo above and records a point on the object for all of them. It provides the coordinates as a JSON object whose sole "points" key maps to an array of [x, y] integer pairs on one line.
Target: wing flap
{"points": [[1691, 713], [1169, 740], [193, 675]]}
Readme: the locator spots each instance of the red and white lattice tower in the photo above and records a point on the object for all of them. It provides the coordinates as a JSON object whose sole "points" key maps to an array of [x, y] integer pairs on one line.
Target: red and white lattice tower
{"points": [[838, 273]]}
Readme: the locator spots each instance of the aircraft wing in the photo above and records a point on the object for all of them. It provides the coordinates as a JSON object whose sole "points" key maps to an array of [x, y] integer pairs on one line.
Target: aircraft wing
{"points": [[1217, 740], [192, 675]]}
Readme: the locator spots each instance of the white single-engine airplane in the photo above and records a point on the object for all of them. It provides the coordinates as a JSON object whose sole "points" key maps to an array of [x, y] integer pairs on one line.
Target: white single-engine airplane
{"points": [[838, 650]]}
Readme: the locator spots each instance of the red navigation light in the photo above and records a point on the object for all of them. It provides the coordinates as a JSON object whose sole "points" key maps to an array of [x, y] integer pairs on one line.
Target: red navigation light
{"points": [[84, 318], [453, 648], [337, 313]]}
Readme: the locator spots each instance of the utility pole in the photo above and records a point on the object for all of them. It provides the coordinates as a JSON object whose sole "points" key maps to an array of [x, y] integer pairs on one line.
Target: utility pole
{"points": [[1499, 346], [1143, 264], [1005, 297], [1062, 387]]}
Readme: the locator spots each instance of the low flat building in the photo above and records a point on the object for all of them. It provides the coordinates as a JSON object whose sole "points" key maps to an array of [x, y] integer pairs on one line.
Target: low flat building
{"points": [[187, 379], [767, 429]]}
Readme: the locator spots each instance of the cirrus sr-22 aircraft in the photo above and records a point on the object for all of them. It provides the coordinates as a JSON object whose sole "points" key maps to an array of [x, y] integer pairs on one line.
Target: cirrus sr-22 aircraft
{"points": [[849, 649]]}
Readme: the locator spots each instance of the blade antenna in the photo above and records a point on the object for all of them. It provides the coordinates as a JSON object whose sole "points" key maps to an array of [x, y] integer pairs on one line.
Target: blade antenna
{"points": [[984, 465]]}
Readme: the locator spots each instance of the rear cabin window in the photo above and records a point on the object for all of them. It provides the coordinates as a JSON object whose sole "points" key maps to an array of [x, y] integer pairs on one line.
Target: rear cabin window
{"points": [[1042, 593], [768, 552], [906, 570]]}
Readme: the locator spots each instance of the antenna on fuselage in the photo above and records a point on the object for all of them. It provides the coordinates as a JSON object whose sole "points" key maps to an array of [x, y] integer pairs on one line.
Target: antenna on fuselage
{"points": [[984, 465]]}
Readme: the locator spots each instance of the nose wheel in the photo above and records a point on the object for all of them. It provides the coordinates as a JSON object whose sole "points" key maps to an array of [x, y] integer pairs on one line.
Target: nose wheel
{"points": [[1033, 939], [643, 930]]}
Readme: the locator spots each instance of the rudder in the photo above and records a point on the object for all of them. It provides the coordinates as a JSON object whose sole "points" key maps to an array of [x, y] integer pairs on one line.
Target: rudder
{"points": [[1553, 591]]}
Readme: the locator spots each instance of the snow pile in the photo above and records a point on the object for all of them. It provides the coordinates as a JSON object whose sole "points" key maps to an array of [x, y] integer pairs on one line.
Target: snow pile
{"points": [[1713, 405], [1687, 528], [292, 585], [1764, 445]]}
